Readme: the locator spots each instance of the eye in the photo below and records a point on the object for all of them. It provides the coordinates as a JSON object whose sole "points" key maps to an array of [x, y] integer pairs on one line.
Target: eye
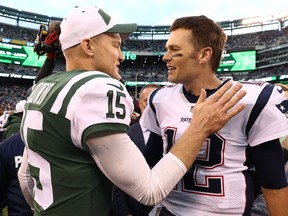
{"points": [[175, 49], [117, 45], [172, 48]]}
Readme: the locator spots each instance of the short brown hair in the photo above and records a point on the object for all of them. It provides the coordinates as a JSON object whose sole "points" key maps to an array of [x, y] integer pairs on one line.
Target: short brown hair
{"points": [[152, 85], [205, 33]]}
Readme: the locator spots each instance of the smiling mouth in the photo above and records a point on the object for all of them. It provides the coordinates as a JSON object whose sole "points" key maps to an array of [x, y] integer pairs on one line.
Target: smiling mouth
{"points": [[170, 68]]}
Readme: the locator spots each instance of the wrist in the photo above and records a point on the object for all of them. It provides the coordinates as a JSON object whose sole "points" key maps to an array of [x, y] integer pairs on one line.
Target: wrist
{"points": [[197, 130], [189, 144]]}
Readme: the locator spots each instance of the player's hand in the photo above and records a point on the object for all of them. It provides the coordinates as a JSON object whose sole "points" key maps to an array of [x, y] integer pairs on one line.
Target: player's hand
{"points": [[50, 40], [211, 114]]}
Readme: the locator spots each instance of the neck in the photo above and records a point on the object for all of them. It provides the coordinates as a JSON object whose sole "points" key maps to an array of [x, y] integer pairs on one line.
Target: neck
{"points": [[196, 85]]}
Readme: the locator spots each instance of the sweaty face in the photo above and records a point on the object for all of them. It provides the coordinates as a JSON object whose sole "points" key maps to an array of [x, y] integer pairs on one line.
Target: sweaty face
{"points": [[180, 57], [107, 54]]}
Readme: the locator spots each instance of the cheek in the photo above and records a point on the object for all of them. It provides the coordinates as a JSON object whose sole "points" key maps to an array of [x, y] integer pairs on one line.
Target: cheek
{"points": [[184, 68], [110, 60], [114, 56], [186, 63], [109, 53], [182, 64]]}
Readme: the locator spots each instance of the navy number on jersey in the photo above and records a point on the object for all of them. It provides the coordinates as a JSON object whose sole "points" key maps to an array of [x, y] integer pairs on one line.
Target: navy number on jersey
{"points": [[210, 156]]}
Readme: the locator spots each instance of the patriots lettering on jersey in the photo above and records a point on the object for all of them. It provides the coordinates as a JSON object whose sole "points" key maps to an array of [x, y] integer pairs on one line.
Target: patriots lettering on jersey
{"points": [[185, 119], [283, 107], [40, 93]]}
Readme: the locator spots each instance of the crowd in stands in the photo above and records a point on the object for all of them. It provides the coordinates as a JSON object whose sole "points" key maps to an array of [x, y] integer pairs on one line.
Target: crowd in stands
{"points": [[264, 39], [10, 95], [147, 70], [17, 32], [145, 46], [16, 69], [258, 74], [258, 40]]}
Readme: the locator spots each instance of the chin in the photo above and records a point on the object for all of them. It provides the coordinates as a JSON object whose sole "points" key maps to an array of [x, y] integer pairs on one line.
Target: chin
{"points": [[171, 76], [117, 76], [171, 79]]}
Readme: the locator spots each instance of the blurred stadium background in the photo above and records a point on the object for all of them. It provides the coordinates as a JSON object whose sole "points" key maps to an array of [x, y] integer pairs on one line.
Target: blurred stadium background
{"points": [[257, 49]]}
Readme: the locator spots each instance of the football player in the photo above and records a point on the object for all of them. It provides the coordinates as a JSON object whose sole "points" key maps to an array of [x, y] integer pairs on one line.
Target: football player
{"points": [[220, 181]]}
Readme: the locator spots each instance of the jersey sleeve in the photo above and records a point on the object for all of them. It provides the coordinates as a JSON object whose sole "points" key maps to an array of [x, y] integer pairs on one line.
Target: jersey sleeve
{"points": [[269, 116], [103, 104], [148, 186]]}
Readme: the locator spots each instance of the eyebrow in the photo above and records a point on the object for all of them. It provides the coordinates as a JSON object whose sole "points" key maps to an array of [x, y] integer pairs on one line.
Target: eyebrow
{"points": [[172, 46]]}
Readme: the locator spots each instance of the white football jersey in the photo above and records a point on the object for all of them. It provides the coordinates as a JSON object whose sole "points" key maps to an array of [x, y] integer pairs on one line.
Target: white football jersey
{"points": [[220, 181], [63, 111]]}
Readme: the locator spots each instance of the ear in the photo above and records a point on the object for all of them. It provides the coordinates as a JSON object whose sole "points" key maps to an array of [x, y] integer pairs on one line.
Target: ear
{"points": [[205, 54], [87, 46]]}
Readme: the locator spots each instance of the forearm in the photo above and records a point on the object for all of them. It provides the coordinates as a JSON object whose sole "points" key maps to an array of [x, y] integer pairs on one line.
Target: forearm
{"points": [[150, 187], [276, 201], [183, 149], [126, 167]]}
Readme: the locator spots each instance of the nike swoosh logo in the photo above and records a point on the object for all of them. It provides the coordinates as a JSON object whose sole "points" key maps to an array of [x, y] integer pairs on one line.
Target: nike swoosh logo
{"points": [[120, 87], [279, 90]]}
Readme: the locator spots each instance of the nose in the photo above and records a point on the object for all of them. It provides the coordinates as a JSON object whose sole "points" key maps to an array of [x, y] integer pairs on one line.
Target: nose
{"points": [[121, 57], [166, 57]]}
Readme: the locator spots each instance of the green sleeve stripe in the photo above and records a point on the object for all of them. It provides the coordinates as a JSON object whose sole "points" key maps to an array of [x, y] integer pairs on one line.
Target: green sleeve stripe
{"points": [[93, 129], [74, 88]]}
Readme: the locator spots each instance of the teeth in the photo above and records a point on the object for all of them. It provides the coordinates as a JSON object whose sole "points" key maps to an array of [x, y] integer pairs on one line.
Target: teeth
{"points": [[171, 68]]}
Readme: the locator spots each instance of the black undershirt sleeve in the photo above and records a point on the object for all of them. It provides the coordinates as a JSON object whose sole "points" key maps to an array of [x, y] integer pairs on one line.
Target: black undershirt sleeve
{"points": [[269, 163]]}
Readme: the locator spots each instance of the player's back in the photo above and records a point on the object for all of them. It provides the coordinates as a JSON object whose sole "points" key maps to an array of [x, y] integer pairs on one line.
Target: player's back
{"points": [[55, 127]]}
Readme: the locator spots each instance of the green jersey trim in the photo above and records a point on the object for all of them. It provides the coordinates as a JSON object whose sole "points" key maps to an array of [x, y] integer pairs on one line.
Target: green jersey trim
{"points": [[93, 129], [74, 88]]}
